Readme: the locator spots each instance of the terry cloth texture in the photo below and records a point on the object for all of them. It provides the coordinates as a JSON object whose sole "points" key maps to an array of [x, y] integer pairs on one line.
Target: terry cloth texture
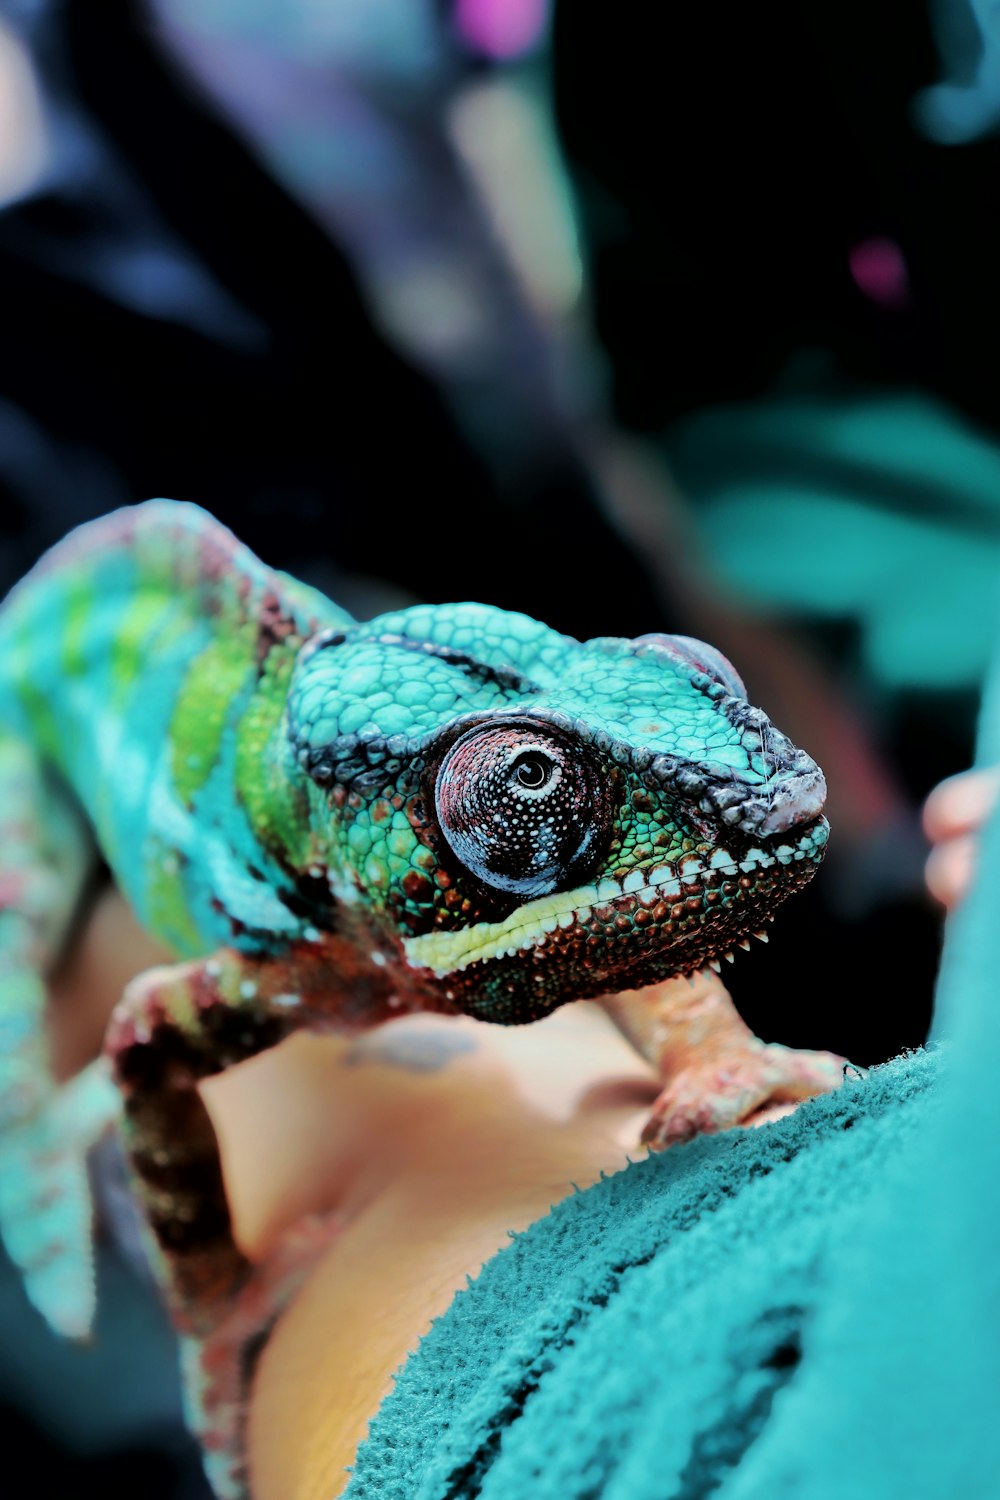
{"points": [[806, 1311], [631, 1344]]}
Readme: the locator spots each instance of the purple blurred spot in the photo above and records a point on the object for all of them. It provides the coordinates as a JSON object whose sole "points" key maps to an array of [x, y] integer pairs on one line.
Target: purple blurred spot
{"points": [[501, 28], [879, 271]]}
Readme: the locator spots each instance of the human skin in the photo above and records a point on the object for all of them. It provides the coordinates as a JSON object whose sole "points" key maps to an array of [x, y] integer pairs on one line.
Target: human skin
{"points": [[434, 1169], [426, 1142], [953, 814]]}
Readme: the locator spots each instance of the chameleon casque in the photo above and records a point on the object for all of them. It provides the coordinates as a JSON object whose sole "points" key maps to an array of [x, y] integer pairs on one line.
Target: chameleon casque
{"points": [[448, 808]]}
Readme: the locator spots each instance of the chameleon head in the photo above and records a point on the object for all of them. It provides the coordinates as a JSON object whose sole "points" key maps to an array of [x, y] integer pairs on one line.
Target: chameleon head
{"points": [[544, 820]]}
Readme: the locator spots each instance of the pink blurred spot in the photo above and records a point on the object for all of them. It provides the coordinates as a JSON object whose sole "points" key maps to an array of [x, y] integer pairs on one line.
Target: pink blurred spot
{"points": [[879, 271], [501, 28]]}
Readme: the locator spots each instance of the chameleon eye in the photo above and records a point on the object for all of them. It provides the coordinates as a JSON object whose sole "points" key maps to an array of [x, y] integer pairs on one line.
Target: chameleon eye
{"points": [[522, 806]]}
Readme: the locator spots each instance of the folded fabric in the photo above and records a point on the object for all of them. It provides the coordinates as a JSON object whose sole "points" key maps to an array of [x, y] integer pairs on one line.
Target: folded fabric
{"points": [[805, 1310]]}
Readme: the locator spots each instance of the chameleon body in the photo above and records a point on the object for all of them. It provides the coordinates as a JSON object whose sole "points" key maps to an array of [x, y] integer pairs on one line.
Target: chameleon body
{"points": [[449, 808]]}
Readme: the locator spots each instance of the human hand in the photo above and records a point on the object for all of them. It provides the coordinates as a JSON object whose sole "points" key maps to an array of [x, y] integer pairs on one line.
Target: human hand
{"points": [[954, 813]]}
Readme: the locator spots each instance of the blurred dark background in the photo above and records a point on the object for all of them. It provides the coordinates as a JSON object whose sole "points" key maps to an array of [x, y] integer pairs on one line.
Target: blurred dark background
{"points": [[633, 317]]}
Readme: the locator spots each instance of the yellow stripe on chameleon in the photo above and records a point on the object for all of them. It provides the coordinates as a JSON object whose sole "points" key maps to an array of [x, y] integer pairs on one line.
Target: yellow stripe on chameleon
{"points": [[199, 721], [148, 615], [445, 952], [166, 906], [77, 625], [277, 807]]}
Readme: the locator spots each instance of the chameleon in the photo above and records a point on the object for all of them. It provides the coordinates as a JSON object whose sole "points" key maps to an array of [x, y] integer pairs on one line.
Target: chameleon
{"points": [[331, 822]]}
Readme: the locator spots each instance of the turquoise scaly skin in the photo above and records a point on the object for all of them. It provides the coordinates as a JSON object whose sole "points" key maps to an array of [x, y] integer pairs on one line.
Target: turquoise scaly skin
{"points": [[450, 808]]}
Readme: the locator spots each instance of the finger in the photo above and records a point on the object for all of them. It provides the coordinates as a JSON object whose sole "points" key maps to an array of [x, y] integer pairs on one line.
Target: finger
{"points": [[961, 804], [950, 869]]}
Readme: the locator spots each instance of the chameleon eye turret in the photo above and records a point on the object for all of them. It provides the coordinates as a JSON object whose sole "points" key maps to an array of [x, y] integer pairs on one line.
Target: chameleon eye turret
{"points": [[522, 807], [700, 656]]}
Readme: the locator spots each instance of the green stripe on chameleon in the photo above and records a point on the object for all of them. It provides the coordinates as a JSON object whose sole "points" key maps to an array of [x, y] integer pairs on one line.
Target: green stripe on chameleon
{"points": [[78, 624], [37, 705], [21, 669], [167, 912], [152, 621], [146, 616], [277, 806], [215, 677]]}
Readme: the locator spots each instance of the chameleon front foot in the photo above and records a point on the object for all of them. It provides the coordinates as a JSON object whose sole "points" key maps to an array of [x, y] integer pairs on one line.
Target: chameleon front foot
{"points": [[741, 1086], [715, 1073]]}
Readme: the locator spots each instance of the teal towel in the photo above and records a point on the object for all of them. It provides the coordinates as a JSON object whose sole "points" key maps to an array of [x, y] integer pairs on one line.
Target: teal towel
{"points": [[633, 1343], [808, 1310]]}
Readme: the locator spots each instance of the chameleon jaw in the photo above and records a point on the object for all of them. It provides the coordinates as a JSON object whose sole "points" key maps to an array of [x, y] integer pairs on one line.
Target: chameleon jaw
{"points": [[693, 909]]}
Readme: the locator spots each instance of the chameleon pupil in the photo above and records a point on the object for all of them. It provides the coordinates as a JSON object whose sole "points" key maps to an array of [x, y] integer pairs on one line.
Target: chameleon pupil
{"points": [[533, 772]]}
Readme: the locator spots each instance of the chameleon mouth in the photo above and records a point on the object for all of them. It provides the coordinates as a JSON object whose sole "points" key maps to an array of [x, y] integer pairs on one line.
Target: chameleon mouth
{"points": [[689, 909]]}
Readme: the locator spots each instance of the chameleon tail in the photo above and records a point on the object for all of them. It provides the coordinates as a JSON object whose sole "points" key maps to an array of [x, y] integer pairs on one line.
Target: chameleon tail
{"points": [[45, 1203], [45, 1212]]}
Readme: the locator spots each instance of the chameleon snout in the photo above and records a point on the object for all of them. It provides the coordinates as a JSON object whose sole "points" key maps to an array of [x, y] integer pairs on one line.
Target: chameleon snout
{"points": [[798, 800], [781, 790]]}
